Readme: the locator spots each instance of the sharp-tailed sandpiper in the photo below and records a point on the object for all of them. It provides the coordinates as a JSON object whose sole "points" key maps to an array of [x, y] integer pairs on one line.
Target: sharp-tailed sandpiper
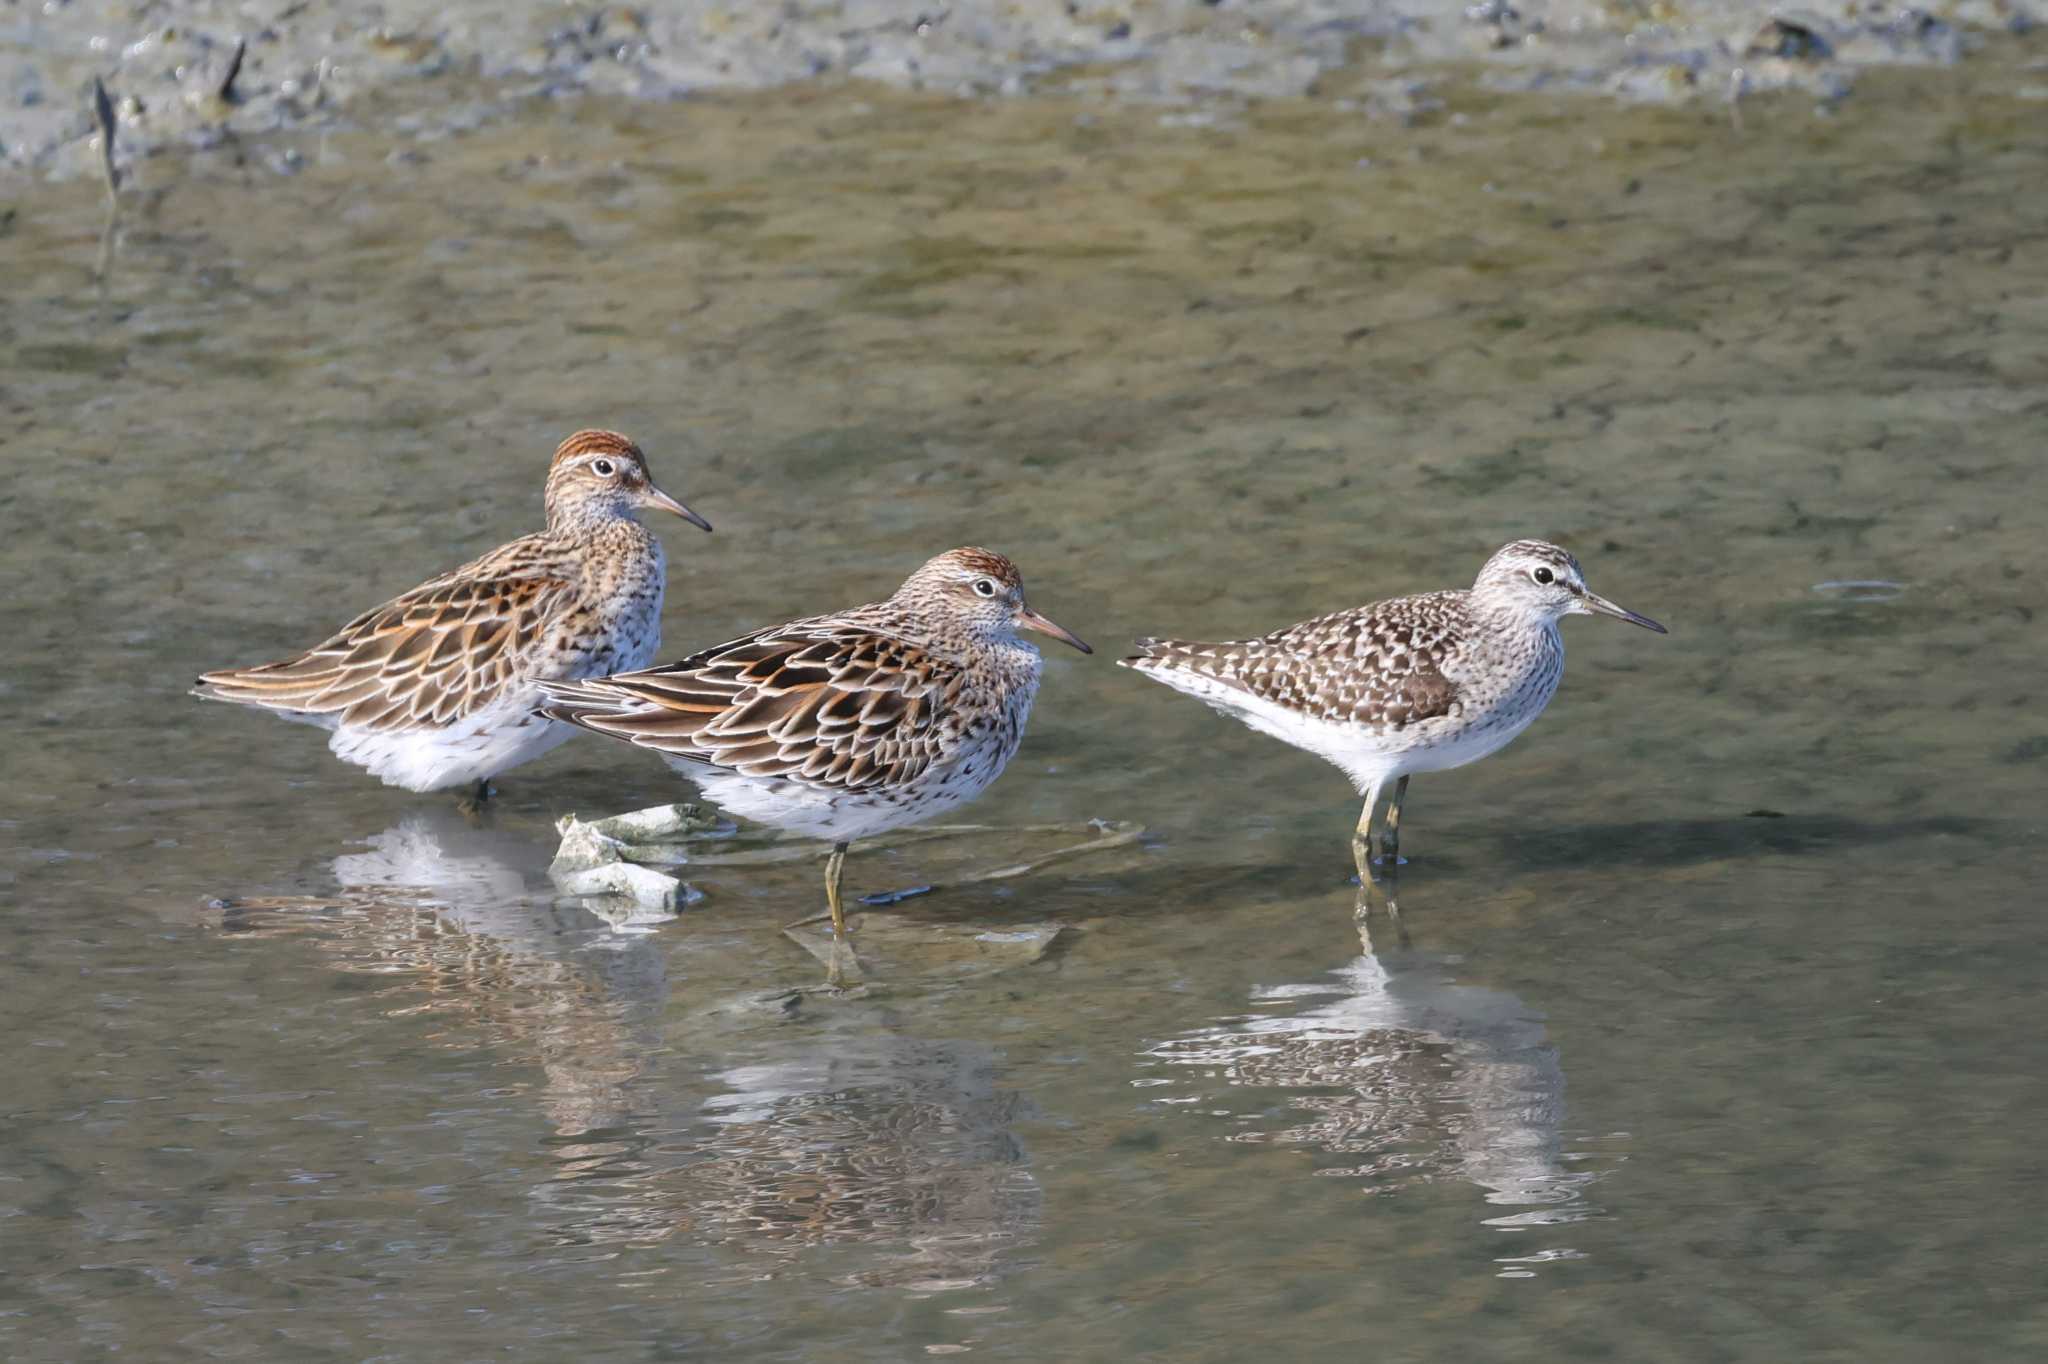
{"points": [[436, 688], [846, 725]]}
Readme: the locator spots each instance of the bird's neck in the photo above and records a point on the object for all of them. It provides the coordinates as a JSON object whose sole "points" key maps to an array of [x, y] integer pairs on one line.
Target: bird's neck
{"points": [[581, 520], [1512, 622]]}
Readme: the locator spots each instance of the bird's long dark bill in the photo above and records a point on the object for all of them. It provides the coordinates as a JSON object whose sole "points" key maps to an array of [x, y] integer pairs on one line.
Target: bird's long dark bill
{"points": [[1031, 620], [655, 497], [1608, 608]]}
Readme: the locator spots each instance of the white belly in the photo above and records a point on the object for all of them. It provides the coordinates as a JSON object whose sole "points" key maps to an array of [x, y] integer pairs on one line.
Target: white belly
{"points": [[842, 816], [467, 752], [1365, 755], [494, 741], [1367, 758]]}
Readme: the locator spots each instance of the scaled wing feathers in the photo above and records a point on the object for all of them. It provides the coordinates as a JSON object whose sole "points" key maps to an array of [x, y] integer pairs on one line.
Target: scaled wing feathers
{"points": [[1315, 667], [830, 706], [444, 651]]}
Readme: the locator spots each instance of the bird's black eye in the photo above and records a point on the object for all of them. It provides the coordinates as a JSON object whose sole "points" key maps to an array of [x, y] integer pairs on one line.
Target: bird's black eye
{"points": [[1544, 576], [601, 467], [985, 587]]}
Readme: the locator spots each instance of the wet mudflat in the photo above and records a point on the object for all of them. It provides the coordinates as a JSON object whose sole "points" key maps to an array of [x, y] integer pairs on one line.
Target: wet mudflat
{"points": [[1715, 1029]]}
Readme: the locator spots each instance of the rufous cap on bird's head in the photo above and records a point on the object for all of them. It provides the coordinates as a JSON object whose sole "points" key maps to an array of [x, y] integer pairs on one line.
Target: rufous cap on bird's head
{"points": [[601, 476], [983, 591]]}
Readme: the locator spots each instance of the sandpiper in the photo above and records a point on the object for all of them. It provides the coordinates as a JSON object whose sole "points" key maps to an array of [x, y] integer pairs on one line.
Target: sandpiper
{"points": [[845, 725], [1411, 684], [436, 687]]}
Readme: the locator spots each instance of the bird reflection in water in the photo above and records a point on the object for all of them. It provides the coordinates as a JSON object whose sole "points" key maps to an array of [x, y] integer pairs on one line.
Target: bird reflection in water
{"points": [[1403, 1074], [790, 1140], [893, 1143], [461, 919]]}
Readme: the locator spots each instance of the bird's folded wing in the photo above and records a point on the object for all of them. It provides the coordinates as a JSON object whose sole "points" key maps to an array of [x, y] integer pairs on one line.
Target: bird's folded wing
{"points": [[1300, 669], [833, 707], [443, 651]]}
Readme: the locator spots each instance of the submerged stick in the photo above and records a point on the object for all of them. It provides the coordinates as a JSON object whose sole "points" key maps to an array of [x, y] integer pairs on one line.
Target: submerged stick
{"points": [[103, 115], [786, 847], [1108, 836], [225, 91]]}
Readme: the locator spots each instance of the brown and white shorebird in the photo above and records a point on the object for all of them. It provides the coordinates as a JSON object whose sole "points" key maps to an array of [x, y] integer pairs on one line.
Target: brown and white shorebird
{"points": [[1411, 684], [436, 687], [845, 725]]}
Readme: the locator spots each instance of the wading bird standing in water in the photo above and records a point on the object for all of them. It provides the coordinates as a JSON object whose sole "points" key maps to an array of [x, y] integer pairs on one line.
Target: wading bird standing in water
{"points": [[845, 725], [1411, 684], [436, 688]]}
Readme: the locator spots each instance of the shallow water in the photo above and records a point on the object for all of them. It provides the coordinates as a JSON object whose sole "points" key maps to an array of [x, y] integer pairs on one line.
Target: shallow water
{"points": [[1712, 1028]]}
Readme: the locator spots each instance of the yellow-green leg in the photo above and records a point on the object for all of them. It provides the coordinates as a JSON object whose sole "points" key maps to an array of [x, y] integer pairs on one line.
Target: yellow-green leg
{"points": [[1389, 867], [1390, 827], [835, 867], [1361, 838], [1383, 890], [844, 968]]}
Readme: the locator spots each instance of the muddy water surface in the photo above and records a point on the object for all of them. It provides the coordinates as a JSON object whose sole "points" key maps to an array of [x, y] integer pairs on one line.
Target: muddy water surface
{"points": [[1714, 1032]]}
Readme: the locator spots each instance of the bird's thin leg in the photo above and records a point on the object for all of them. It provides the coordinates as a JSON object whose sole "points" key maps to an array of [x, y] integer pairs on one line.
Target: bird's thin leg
{"points": [[1383, 888], [1361, 840], [472, 803], [1390, 859], [844, 968], [835, 866], [1390, 827], [1390, 885]]}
